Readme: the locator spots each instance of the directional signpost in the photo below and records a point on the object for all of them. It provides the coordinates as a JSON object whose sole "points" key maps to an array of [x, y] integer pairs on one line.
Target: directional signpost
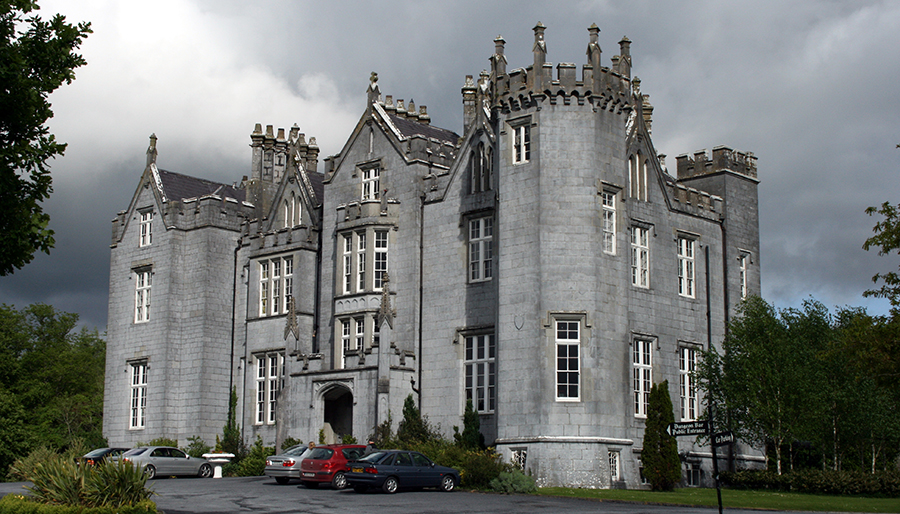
{"points": [[688, 428], [723, 439], [704, 427]]}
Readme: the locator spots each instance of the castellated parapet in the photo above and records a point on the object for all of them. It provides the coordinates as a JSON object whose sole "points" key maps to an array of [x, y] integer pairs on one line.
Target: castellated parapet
{"points": [[604, 87], [723, 159]]}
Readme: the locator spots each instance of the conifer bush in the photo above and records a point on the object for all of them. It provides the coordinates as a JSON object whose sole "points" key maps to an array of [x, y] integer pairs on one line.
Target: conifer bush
{"points": [[662, 465]]}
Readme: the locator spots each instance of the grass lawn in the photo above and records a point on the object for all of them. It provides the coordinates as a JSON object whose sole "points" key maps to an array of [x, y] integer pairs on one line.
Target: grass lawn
{"points": [[735, 499]]}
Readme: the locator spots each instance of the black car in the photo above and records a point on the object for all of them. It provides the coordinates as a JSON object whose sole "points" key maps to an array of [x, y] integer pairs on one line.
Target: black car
{"points": [[98, 456], [394, 469]]}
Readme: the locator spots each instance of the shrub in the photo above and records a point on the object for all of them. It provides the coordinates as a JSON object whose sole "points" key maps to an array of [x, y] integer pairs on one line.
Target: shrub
{"points": [[117, 484], [22, 468], [662, 466], [882, 483], [253, 464], [514, 481], [159, 441], [289, 442], [59, 480], [348, 439], [197, 447], [19, 504]]}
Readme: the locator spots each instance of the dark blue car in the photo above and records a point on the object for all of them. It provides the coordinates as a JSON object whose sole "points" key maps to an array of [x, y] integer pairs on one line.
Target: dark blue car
{"points": [[392, 469]]}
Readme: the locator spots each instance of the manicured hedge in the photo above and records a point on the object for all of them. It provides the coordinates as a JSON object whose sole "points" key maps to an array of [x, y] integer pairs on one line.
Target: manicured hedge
{"points": [[857, 483], [20, 504]]}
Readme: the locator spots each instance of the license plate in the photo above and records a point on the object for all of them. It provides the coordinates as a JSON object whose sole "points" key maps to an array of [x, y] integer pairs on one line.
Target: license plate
{"points": [[309, 474], [357, 470]]}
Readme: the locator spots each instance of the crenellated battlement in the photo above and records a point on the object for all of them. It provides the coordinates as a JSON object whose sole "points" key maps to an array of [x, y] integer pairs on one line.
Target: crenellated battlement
{"points": [[722, 159], [608, 88]]}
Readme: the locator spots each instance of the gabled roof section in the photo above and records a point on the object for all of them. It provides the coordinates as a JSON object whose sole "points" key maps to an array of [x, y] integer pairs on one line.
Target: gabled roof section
{"points": [[175, 186], [409, 128]]}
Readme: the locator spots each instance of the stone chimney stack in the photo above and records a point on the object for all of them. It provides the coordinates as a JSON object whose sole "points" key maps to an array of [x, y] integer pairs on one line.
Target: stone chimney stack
{"points": [[593, 53], [625, 57], [540, 57], [469, 103]]}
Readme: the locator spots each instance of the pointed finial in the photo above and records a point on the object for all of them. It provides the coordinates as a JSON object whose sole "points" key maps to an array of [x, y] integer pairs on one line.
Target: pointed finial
{"points": [[151, 150]]}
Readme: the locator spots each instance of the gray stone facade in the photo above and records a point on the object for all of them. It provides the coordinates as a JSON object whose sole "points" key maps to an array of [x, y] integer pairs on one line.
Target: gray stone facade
{"points": [[544, 264]]}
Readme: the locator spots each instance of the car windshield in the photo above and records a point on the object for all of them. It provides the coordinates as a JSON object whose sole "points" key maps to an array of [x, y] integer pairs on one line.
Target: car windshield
{"points": [[296, 450], [99, 452], [320, 454], [373, 457], [135, 451]]}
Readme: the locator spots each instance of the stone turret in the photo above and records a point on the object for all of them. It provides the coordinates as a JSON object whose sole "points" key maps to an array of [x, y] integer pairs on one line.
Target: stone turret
{"points": [[723, 159]]}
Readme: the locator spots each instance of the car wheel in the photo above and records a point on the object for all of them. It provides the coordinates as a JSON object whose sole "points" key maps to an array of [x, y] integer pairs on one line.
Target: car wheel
{"points": [[206, 471], [282, 480], [150, 471], [339, 481], [310, 485], [448, 483], [360, 488], [391, 485]]}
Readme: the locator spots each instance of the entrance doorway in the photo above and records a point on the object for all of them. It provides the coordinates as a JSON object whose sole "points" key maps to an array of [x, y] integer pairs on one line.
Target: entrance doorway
{"points": [[339, 411]]}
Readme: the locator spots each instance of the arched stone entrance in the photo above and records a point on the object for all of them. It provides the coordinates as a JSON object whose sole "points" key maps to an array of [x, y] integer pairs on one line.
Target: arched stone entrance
{"points": [[339, 410]]}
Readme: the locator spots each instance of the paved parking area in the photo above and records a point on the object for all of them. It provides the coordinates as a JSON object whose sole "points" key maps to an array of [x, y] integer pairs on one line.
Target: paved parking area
{"points": [[262, 495]]}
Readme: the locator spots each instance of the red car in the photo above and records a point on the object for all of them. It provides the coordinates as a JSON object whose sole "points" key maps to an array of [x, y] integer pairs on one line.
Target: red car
{"points": [[328, 463]]}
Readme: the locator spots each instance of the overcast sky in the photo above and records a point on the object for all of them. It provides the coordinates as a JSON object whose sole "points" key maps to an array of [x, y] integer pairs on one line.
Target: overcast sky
{"points": [[810, 87]]}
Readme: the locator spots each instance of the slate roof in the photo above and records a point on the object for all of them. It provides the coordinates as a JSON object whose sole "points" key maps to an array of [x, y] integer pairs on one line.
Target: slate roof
{"points": [[410, 128], [181, 187], [318, 185]]}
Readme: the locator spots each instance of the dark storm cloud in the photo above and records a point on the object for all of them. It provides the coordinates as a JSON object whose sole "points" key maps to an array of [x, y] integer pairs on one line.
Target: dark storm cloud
{"points": [[809, 87]]}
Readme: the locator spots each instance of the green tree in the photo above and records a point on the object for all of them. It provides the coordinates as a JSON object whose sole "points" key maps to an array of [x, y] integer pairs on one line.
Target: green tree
{"points": [[232, 440], [768, 376], [413, 427], [52, 372], [471, 437], [887, 240], [662, 466], [37, 57]]}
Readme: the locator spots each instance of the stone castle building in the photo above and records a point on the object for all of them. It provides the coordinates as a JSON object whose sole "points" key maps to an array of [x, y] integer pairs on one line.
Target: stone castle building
{"points": [[543, 263]]}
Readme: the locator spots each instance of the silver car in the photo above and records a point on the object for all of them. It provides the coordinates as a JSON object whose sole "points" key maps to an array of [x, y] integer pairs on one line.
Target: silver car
{"points": [[166, 461], [285, 466]]}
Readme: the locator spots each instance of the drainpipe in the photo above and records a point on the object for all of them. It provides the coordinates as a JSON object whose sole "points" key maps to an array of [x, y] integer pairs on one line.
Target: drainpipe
{"points": [[237, 248], [419, 358], [314, 348]]}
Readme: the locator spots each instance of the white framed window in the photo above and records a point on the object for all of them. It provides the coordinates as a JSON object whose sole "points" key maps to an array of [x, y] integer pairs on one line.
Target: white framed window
{"points": [[143, 279], [637, 177], [481, 163], [371, 178], [345, 340], [568, 360], [518, 457], [361, 261], [381, 258], [521, 144], [608, 200], [481, 249], [687, 365], [615, 470], [363, 264], [138, 395], [359, 337], [481, 374], [692, 473], [743, 266], [642, 374], [292, 211], [269, 374], [640, 257], [276, 283], [686, 267], [348, 263], [146, 228]]}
